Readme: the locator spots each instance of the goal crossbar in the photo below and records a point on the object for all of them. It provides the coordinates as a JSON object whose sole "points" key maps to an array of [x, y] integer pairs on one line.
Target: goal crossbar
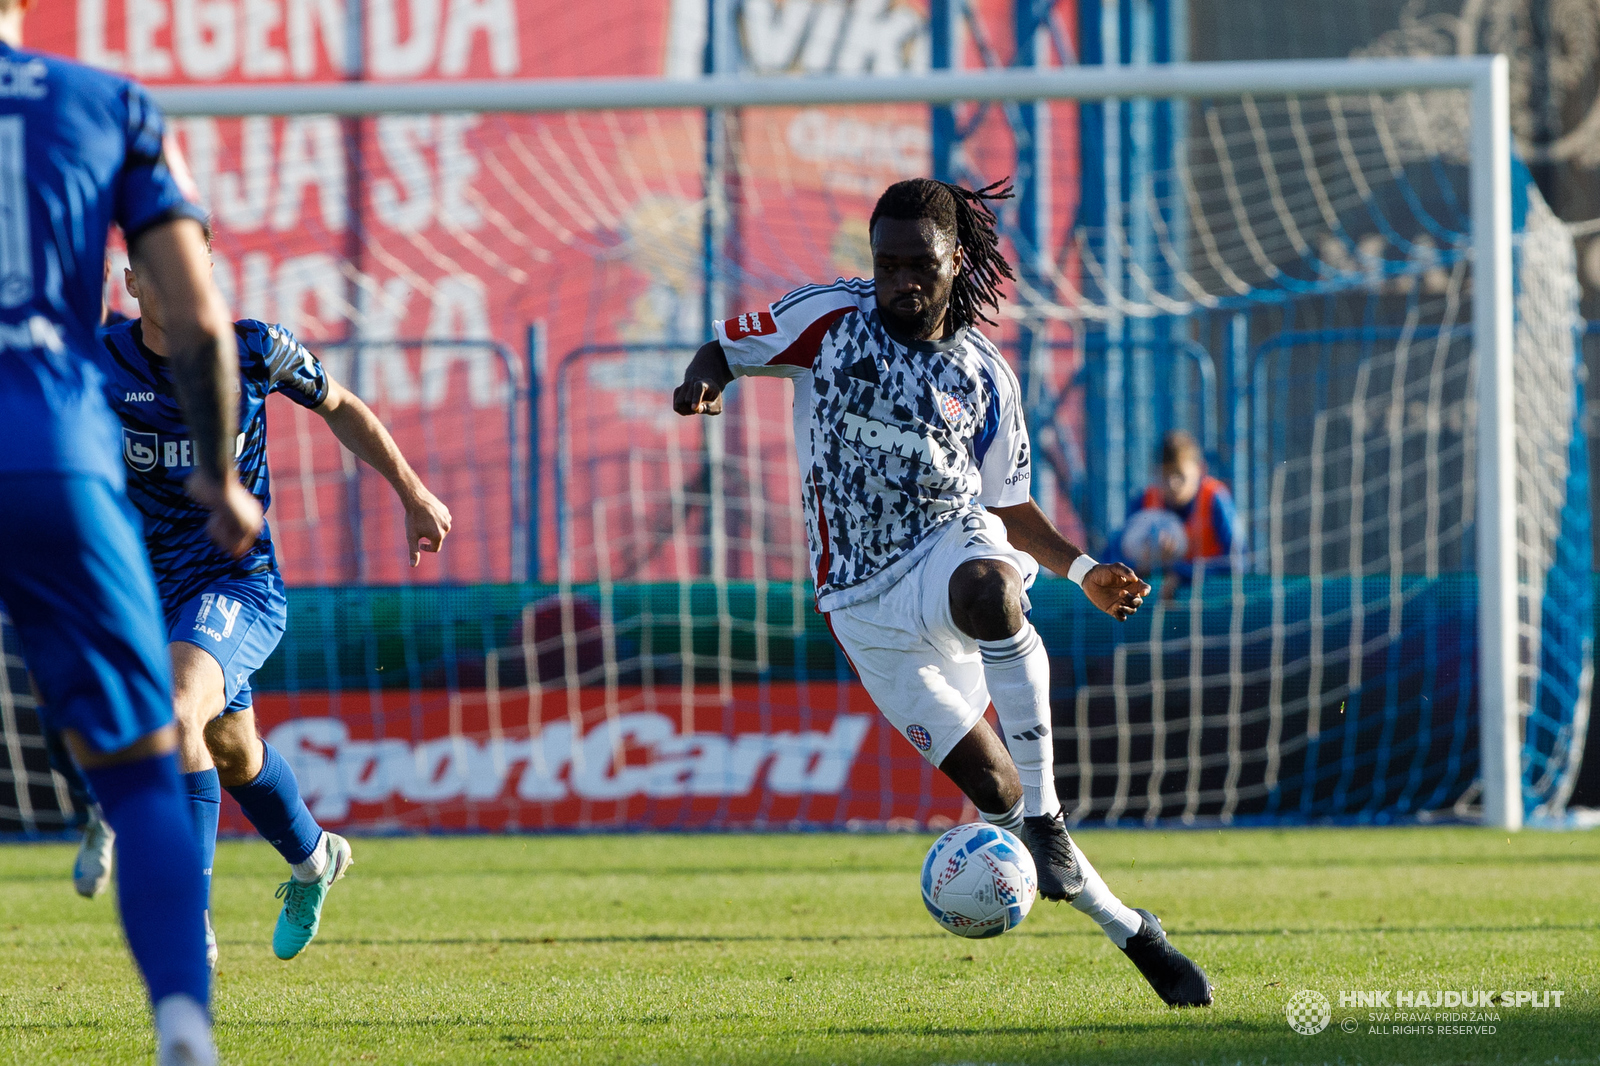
{"points": [[1484, 77], [531, 95]]}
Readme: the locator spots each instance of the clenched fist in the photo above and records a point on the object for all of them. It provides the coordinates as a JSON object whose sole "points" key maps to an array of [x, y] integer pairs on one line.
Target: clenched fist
{"points": [[697, 396], [1115, 589]]}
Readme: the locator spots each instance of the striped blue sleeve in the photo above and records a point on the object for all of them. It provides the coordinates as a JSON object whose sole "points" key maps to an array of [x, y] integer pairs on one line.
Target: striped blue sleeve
{"points": [[286, 365]]}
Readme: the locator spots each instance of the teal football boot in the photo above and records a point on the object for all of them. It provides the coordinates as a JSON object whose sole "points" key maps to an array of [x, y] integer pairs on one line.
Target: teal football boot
{"points": [[302, 901]]}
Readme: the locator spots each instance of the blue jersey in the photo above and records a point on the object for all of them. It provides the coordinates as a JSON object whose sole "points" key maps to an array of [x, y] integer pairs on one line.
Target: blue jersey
{"points": [[80, 150], [160, 451]]}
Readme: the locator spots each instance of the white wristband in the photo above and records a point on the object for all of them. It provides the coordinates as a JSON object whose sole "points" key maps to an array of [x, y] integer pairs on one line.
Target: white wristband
{"points": [[1079, 568]]}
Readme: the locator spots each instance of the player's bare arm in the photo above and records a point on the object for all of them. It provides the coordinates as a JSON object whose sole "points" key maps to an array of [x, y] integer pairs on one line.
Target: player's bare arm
{"points": [[1112, 587], [704, 379], [360, 431], [174, 269]]}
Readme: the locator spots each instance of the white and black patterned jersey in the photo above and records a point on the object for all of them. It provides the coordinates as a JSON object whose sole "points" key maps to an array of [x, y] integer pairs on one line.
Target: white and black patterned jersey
{"points": [[894, 438]]}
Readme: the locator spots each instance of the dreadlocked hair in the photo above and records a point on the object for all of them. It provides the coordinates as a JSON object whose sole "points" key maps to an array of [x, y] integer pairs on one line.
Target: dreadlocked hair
{"points": [[965, 215]]}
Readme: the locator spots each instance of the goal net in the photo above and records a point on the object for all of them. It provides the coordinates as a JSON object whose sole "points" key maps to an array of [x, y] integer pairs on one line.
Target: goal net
{"points": [[620, 630]]}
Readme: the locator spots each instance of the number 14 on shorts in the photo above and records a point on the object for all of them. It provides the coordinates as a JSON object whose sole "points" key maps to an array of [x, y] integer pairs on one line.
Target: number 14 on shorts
{"points": [[227, 611]]}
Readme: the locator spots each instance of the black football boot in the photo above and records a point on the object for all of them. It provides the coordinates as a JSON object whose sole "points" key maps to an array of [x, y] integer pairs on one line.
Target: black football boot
{"points": [[1175, 977]]}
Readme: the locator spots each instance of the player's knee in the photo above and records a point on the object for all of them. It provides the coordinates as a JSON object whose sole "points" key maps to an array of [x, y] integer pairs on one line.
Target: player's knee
{"points": [[986, 599], [235, 747], [994, 789], [198, 693], [231, 757], [191, 711], [979, 766]]}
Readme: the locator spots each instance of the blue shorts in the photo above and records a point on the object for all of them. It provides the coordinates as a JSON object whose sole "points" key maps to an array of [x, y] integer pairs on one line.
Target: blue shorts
{"points": [[238, 621], [76, 582]]}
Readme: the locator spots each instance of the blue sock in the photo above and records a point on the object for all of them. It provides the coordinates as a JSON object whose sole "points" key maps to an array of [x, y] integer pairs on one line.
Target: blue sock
{"points": [[159, 887], [272, 803], [205, 805]]}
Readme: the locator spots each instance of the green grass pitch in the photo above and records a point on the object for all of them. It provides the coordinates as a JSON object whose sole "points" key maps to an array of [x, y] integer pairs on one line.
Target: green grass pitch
{"points": [[816, 949]]}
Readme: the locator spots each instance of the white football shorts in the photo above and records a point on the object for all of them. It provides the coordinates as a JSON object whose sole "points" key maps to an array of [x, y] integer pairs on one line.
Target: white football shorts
{"points": [[925, 675]]}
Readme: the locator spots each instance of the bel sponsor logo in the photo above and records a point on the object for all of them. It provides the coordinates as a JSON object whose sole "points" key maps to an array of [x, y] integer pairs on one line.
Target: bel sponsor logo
{"points": [[143, 452]]}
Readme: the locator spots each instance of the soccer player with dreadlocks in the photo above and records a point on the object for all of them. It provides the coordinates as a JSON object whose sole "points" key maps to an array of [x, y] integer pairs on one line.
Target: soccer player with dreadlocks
{"points": [[924, 540]]}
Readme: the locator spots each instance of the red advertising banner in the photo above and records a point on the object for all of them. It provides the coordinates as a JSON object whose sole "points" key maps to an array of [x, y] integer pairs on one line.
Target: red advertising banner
{"points": [[416, 252], [774, 756]]}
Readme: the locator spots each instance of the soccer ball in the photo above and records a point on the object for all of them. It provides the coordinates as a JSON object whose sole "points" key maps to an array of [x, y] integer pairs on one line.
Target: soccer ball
{"points": [[1141, 537], [978, 881]]}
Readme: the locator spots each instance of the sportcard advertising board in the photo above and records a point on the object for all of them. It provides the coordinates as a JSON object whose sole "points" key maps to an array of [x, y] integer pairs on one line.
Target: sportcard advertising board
{"points": [[764, 757]]}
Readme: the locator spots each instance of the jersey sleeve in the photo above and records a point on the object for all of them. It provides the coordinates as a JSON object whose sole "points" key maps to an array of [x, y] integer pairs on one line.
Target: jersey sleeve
{"points": [[783, 340], [289, 367], [147, 191], [1005, 459]]}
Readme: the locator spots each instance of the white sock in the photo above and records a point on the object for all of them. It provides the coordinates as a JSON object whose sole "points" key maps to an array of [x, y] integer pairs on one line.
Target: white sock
{"points": [[183, 1032], [312, 867], [1017, 670], [1011, 820], [1118, 920]]}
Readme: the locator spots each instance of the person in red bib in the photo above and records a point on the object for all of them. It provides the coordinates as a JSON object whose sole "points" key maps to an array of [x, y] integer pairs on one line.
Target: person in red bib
{"points": [[1200, 502]]}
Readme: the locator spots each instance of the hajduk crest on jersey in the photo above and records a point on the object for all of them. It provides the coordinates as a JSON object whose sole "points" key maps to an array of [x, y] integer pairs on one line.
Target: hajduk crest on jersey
{"points": [[951, 408]]}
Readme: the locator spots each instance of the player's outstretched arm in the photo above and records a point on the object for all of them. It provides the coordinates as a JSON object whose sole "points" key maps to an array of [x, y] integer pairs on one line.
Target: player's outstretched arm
{"points": [[703, 381], [174, 267], [358, 429], [1112, 587]]}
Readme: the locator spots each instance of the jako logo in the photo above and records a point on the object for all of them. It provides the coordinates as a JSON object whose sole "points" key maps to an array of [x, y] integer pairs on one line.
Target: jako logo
{"points": [[886, 438], [601, 764], [139, 397]]}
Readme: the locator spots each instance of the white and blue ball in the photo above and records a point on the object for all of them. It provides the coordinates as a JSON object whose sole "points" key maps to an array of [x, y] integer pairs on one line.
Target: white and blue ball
{"points": [[978, 881], [1142, 537]]}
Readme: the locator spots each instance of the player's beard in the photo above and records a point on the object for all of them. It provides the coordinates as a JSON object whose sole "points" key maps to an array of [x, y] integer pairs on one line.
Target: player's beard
{"points": [[918, 324]]}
